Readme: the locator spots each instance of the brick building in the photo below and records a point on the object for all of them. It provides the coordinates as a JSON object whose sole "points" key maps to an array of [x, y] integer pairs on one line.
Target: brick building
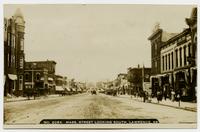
{"points": [[139, 79], [177, 62], [40, 76], [14, 54]]}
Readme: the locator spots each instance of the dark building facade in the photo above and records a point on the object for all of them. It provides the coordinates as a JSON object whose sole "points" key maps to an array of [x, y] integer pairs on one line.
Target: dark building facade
{"points": [[14, 54], [40, 77], [139, 79]]}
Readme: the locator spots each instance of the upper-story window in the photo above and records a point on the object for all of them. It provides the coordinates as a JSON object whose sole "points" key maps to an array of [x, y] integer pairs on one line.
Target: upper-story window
{"points": [[176, 57], [163, 63], [156, 47], [22, 44], [37, 76], [26, 76], [8, 60], [156, 64], [21, 63], [180, 56], [8, 39], [184, 55], [13, 41], [189, 49]]}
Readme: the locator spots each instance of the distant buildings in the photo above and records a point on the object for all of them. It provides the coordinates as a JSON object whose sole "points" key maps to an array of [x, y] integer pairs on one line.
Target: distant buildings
{"points": [[174, 61], [14, 54]]}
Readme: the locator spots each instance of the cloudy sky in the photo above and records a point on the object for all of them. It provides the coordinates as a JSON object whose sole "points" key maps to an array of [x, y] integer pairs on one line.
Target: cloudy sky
{"points": [[95, 42]]}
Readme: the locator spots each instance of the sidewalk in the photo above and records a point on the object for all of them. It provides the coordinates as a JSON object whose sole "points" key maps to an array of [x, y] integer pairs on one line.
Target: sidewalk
{"points": [[15, 99], [183, 105]]}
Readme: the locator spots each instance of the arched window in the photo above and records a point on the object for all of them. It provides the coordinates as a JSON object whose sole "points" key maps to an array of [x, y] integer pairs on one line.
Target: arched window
{"points": [[37, 76], [26, 76]]}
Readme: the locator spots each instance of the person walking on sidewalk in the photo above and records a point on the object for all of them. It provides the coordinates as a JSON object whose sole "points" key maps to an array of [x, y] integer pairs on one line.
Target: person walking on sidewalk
{"points": [[144, 96], [159, 96], [172, 95]]}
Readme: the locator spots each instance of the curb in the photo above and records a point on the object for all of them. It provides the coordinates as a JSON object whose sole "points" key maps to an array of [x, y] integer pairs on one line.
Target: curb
{"points": [[183, 108], [186, 108]]}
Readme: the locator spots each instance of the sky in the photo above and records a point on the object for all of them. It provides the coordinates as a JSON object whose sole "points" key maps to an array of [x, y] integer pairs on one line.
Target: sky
{"points": [[95, 42]]}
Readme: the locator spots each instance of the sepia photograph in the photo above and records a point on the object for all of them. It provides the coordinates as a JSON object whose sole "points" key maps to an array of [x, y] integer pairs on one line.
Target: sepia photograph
{"points": [[99, 66]]}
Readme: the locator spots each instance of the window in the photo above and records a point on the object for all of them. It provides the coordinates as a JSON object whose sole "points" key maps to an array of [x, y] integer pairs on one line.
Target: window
{"points": [[8, 39], [155, 64], [20, 82], [21, 63], [189, 48], [172, 60], [156, 46], [184, 55], [8, 60], [169, 61], [22, 44], [180, 54], [13, 41], [176, 58], [13, 60], [38, 76], [27, 76], [163, 65]]}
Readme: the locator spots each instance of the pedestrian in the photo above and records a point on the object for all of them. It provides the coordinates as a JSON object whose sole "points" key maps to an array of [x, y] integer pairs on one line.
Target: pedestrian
{"points": [[159, 96], [172, 95], [144, 96]]}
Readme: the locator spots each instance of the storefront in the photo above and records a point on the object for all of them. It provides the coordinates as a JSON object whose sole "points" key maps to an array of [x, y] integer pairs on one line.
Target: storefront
{"points": [[10, 84], [185, 83]]}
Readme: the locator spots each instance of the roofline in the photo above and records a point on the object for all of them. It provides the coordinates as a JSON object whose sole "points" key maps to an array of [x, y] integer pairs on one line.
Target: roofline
{"points": [[154, 33], [174, 37]]}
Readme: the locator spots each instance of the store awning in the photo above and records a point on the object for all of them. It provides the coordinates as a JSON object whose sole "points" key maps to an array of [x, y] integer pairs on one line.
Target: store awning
{"points": [[12, 76], [73, 89], [50, 79], [59, 88], [194, 68], [68, 89]]}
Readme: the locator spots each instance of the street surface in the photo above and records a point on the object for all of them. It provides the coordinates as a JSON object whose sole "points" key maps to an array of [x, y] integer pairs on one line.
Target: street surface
{"points": [[87, 106]]}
